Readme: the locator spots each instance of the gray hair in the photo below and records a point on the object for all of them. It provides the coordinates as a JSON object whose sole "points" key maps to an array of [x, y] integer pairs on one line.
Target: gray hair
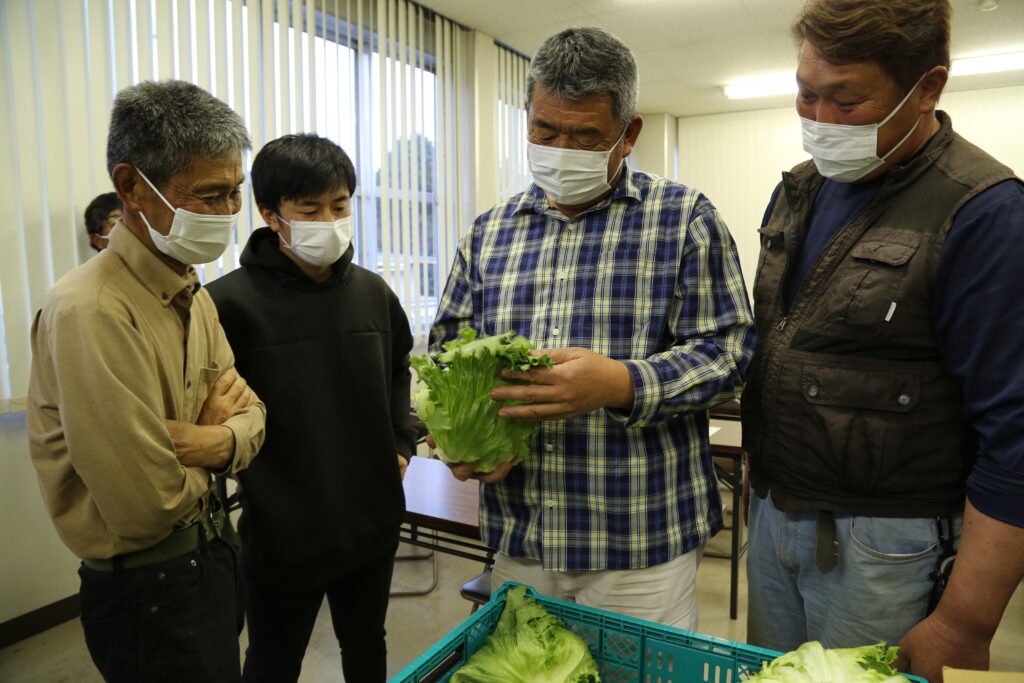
{"points": [[587, 61], [159, 128]]}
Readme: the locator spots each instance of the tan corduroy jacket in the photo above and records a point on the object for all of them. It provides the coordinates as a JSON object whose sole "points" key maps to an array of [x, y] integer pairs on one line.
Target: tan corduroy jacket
{"points": [[120, 344]]}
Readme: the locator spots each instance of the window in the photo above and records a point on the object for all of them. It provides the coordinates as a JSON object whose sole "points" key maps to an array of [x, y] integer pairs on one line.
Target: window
{"points": [[383, 78], [513, 171]]}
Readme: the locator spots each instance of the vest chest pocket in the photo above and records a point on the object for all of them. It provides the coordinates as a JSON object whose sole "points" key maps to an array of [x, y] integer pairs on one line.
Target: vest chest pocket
{"points": [[866, 288], [771, 263]]}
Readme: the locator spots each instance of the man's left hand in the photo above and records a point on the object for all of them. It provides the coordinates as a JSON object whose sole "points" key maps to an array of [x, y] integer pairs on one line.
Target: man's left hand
{"points": [[403, 464], [580, 382], [933, 643], [200, 445]]}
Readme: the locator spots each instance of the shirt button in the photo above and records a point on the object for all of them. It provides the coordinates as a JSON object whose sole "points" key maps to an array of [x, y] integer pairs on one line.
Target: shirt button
{"points": [[903, 399], [813, 391], [154, 609], [161, 576], [165, 296], [555, 332], [549, 503], [549, 447], [188, 384]]}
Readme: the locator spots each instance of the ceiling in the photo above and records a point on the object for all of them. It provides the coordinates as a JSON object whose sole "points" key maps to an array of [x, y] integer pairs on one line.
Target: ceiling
{"points": [[687, 50]]}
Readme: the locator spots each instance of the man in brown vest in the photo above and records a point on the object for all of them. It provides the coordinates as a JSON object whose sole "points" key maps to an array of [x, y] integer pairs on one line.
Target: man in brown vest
{"points": [[884, 405]]}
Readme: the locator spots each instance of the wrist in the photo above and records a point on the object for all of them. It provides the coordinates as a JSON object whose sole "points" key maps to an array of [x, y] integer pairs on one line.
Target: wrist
{"points": [[959, 614], [621, 386], [225, 446]]}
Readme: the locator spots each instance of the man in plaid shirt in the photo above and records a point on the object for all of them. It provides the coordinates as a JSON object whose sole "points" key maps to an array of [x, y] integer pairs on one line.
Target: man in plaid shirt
{"points": [[631, 283]]}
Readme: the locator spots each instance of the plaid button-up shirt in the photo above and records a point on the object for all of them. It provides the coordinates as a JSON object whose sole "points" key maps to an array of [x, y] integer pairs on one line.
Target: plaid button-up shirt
{"points": [[649, 276]]}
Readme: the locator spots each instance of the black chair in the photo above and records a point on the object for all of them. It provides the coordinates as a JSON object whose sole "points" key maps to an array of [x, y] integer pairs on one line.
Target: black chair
{"points": [[477, 590]]}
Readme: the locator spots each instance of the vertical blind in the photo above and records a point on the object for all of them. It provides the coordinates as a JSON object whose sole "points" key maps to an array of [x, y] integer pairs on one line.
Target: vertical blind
{"points": [[383, 78], [513, 171]]}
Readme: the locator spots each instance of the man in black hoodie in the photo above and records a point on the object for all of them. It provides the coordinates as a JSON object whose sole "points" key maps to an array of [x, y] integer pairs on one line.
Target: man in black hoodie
{"points": [[326, 344]]}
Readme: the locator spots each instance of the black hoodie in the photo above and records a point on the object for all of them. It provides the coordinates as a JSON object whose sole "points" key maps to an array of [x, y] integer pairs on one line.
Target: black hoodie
{"points": [[331, 362]]}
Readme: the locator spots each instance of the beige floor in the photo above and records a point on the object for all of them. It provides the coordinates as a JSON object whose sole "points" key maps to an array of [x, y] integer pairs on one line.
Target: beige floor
{"points": [[416, 623]]}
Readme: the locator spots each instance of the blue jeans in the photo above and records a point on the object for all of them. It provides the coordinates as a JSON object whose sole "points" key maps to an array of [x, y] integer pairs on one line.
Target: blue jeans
{"points": [[878, 590]]}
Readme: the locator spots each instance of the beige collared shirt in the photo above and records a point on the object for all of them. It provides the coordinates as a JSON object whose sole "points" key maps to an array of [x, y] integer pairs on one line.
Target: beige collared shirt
{"points": [[120, 344]]}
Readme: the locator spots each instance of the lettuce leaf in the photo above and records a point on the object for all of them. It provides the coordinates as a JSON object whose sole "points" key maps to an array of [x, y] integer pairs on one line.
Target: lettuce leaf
{"points": [[453, 398], [812, 663], [529, 645]]}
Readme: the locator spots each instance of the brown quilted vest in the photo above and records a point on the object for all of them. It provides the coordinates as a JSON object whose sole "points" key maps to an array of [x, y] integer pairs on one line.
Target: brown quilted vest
{"points": [[847, 406]]}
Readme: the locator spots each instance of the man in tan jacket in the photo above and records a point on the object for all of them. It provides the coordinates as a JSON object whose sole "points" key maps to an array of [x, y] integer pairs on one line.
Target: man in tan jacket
{"points": [[133, 332]]}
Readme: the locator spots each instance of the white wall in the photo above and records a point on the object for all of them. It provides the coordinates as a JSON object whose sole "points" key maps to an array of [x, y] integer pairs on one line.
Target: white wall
{"points": [[36, 569], [736, 159], [655, 149]]}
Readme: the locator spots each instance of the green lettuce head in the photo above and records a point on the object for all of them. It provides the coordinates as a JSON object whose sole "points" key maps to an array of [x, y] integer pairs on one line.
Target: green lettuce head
{"points": [[454, 399], [529, 645], [812, 663]]}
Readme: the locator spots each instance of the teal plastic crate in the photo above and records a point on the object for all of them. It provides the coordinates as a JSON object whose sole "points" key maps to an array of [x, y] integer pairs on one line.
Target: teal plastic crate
{"points": [[626, 649]]}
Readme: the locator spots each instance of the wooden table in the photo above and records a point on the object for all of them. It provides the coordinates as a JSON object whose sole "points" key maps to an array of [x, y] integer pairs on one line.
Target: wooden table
{"points": [[437, 503]]}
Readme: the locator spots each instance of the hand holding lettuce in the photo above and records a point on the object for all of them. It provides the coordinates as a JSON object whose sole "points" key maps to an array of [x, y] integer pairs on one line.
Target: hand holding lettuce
{"points": [[454, 400]]}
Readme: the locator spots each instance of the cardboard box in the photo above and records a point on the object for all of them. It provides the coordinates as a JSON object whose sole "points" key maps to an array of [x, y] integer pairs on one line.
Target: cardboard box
{"points": [[950, 675]]}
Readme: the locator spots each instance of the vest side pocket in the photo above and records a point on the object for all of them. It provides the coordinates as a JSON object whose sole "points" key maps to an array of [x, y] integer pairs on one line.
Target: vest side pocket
{"points": [[855, 422]]}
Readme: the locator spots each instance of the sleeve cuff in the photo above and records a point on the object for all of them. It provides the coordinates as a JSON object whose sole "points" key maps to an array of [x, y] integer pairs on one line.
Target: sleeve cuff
{"points": [[237, 461], [646, 395], [997, 491]]}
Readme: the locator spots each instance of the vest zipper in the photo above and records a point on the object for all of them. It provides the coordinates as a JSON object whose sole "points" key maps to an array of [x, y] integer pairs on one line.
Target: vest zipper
{"points": [[782, 324]]}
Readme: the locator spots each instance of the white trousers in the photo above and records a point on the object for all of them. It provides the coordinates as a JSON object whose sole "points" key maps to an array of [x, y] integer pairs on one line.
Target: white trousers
{"points": [[665, 593]]}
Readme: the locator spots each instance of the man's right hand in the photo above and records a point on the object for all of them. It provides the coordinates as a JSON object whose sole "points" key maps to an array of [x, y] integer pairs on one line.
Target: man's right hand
{"points": [[229, 394], [464, 470]]}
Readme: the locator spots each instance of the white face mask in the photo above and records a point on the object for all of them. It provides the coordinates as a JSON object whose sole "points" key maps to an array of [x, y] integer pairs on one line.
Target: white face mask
{"points": [[319, 243], [570, 176], [848, 153], [193, 237]]}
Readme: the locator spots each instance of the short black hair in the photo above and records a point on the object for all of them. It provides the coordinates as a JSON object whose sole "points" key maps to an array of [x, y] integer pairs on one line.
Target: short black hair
{"points": [[98, 210], [300, 167]]}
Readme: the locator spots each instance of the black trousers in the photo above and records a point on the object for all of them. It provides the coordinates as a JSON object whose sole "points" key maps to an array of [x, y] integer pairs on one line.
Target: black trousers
{"points": [[176, 620], [281, 622]]}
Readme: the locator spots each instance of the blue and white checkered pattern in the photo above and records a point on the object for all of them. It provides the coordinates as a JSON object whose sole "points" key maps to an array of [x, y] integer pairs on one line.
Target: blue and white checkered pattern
{"points": [[649, 276]]}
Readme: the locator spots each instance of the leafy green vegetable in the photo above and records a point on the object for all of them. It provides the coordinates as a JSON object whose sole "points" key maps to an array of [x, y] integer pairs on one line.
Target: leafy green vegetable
{"points": [[454, 398], [529, 645], [812, 663]]}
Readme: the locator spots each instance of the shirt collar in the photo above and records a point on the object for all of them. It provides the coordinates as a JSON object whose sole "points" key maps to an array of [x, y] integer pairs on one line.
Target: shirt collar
{"points": [[155, 275], [626, 188]]}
